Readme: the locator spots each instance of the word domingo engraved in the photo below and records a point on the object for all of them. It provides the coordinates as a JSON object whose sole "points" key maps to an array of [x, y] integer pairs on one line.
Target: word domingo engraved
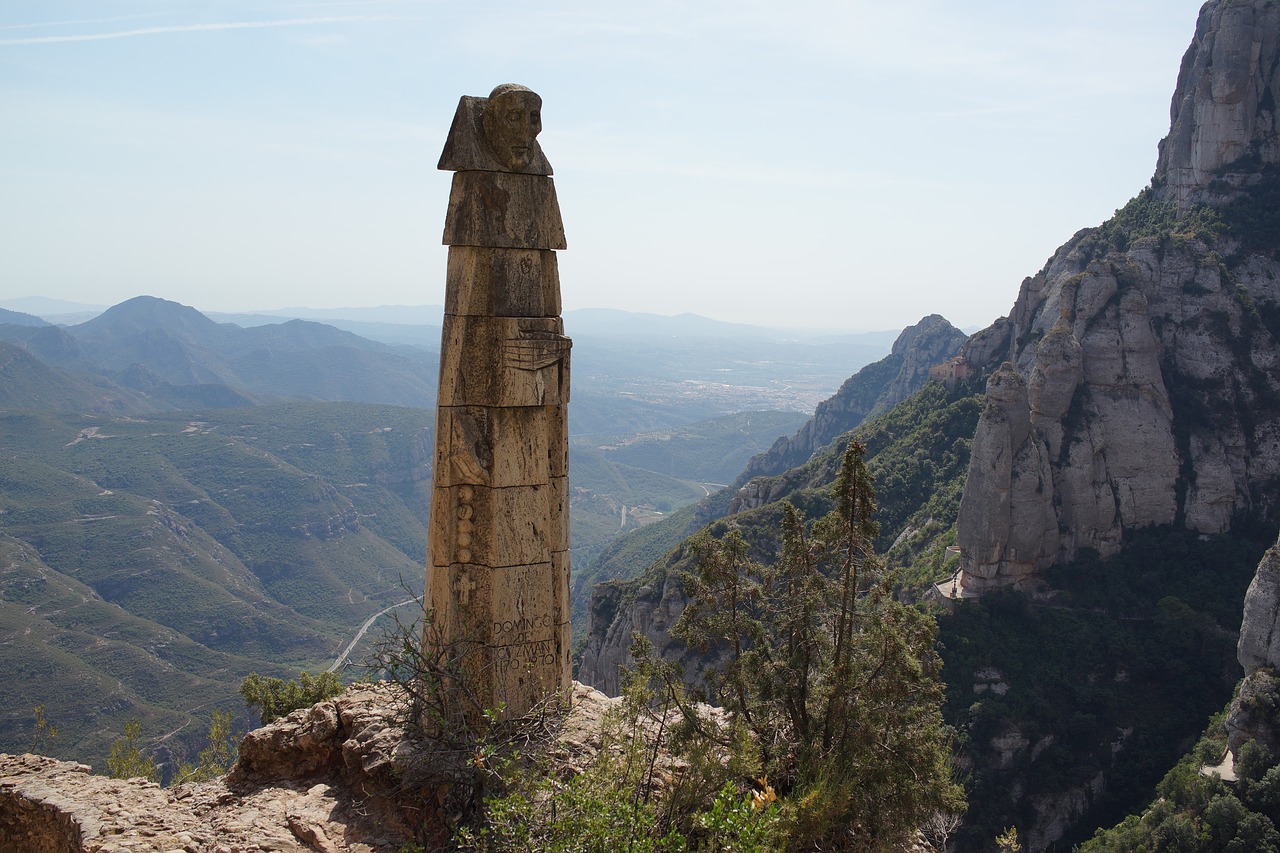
{"points": [[523, 625]]}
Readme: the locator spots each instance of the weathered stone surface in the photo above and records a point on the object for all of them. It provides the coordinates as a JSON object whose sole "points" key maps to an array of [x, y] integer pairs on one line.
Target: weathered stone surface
{"points": [[615, 612], [1259, 643], [492, 527], [1150, 379], [1149, 394], [308, 745], [325, 779], [503, 361], [502, 282], [1224, 107], [1006, 541], [1250, 719], [497, 133], [499, 539], [503, 210]]}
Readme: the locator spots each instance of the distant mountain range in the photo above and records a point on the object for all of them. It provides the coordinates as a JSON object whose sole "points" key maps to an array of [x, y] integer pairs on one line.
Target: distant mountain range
{"points": [[632, 372], [186, 499], [582, 321]]}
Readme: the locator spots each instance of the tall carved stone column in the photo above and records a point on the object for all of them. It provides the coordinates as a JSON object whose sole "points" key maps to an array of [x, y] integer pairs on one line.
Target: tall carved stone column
{"points": [[498, 556]]}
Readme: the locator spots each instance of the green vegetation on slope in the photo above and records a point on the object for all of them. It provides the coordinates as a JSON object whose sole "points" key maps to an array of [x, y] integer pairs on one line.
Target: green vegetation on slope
{"points": [[918, 453], [93, 665], [634, 471], [1115, 676], [159, 560], [1200, 813], [834, 679]]}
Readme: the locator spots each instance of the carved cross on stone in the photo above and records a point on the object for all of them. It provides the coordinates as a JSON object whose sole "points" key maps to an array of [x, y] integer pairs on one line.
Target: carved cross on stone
{"points": [[464, 586]]}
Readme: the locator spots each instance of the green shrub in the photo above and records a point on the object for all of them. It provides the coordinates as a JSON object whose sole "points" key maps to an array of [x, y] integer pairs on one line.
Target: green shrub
{"points": [[275, 697], [127, 760]]}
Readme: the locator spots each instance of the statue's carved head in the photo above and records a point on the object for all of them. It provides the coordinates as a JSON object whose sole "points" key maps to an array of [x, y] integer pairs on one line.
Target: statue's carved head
{"points": [[512, 121], [497, 134]]}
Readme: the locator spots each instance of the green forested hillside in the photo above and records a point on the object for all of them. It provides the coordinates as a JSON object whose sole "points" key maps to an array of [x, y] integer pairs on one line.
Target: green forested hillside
{"points": [[632, 483], [919, 454], [94, 665], [1114, 675], [29, 383], [154, 561], [1087, 698]]}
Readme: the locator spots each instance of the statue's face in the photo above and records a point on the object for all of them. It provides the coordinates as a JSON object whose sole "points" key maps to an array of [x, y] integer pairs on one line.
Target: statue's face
{"points": [[512, 121]]}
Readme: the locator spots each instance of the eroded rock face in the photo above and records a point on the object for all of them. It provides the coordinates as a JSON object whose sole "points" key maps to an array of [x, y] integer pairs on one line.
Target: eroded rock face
{"points": [[1250, 715], [1259, 643], [1139, 384], [1137, 391], [1224, 107], [614, 614]]}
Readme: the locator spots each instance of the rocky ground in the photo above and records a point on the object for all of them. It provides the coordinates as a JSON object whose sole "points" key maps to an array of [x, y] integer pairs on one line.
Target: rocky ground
{"points": [[325, 779]]}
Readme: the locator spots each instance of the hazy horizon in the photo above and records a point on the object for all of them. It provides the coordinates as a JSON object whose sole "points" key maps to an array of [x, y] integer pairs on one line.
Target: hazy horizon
{"points": [[46, 307], [809, 164]]}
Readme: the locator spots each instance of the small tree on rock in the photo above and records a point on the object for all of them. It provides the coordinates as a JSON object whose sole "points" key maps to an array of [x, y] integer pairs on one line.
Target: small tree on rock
{"points": [[127, 760]]}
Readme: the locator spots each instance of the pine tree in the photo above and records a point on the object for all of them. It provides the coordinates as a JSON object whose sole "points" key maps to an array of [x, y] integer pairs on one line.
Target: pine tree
{"points": [[836, 680]]}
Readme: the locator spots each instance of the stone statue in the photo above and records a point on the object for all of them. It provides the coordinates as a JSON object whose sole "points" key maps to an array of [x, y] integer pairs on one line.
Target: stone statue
{"points": [[498, 555]]}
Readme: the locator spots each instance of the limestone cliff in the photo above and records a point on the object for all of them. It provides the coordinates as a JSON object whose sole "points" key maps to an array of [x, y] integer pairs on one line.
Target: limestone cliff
{"points": [[1258, 651], [876, 388], [1224, 120], [1134, 382], [1260, 629]]}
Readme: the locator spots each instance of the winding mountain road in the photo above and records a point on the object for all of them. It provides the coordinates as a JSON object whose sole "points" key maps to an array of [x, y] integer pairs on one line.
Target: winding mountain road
{"points": [[368, 623]]}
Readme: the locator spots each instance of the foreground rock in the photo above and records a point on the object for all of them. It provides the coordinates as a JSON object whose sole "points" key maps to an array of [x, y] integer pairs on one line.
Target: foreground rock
{"points": [[325, 779]]}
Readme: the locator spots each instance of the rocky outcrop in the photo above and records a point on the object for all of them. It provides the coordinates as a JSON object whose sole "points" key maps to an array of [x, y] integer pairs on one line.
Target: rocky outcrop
{"points": [[1139, 373], [1259, 643], [617, 610], [873, 389], [1224, 108], [320, 779], [1251, 716], [1252, 713], [324, 779]]}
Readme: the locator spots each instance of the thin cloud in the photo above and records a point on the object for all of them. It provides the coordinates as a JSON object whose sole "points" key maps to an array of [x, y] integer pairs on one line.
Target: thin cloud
{"points": [[190, 28], [79, 21]]}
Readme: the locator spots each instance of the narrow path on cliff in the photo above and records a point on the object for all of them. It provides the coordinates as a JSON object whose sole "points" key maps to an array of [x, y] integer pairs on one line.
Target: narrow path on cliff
{"points": [[368, 623]]}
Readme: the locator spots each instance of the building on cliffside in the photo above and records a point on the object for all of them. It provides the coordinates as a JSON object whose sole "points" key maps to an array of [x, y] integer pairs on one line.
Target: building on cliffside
{"points": [[953, 370]]}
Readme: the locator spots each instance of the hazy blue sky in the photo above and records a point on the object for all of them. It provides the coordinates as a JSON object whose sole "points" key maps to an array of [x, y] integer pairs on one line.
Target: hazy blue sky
{"points": [[848, 165]]}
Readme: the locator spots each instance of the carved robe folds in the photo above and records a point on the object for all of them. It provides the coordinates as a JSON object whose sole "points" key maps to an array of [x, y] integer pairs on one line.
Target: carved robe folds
{"points": [[498, 572]]}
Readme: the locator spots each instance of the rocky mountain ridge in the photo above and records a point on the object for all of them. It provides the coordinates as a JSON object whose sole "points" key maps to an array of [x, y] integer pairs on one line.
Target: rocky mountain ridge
{"points": [[1133, 383], [876, 388], [1224, 121], [175, 357]]}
